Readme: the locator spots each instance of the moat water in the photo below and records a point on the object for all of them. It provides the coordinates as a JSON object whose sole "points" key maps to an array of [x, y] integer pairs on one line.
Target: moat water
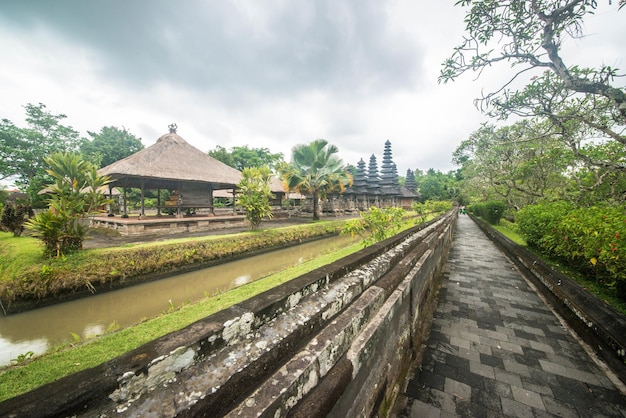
{"points": [[38, 330]]}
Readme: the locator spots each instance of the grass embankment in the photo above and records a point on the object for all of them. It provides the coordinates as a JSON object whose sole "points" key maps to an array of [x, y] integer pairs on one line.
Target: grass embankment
{"points": [[607, 294], [27, 275]]}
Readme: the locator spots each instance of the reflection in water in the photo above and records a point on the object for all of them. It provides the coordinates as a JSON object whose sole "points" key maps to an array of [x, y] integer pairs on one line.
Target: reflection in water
{"points": [[39, 329]]}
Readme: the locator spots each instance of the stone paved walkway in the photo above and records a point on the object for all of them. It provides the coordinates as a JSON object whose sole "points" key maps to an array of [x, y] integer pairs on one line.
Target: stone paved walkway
{"points": [[496, 350]]}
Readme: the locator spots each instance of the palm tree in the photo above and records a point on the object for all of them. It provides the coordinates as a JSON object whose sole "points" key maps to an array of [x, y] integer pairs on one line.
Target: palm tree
{"points": [[315, 170]]}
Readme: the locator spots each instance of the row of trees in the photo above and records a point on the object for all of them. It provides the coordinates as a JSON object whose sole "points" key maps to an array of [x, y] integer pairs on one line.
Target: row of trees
{"points": [[23, 149]]}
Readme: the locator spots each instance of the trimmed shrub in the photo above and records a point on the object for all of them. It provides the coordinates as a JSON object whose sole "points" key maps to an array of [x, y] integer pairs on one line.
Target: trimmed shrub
{"points": [[491, 211], [592, 239]]}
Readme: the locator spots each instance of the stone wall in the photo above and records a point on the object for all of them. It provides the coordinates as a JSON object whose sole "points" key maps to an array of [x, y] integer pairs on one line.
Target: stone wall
{"points": [[336, 341], [166, 224]]}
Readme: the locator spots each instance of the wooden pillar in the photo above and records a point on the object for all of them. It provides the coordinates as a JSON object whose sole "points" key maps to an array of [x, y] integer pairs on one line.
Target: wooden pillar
{"points": [[211, 200], [124, 208], [110, 205], [158, 202], [143, 203]]}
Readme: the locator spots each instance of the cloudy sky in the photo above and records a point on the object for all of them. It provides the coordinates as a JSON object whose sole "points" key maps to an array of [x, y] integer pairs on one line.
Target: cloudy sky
{"points": [[271, 73]]}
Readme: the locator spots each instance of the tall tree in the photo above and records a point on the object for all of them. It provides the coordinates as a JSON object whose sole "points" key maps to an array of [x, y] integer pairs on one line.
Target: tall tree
{"points": [[315, 170], [435, 185], [580, 103], [22, 150], [514, 164], [109, 145], [245, 157]]}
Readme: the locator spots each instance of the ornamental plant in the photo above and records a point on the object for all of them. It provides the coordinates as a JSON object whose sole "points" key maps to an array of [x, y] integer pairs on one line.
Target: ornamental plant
{"points": [[255, 195], [72, 197], [376, 224]]}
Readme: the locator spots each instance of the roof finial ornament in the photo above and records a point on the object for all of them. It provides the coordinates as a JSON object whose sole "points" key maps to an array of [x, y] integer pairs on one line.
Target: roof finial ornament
{"points": [[173, 128]]}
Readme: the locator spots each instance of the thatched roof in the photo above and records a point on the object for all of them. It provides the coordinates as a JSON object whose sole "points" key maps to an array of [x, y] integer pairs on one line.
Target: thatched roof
{"points": [[169, 162]]}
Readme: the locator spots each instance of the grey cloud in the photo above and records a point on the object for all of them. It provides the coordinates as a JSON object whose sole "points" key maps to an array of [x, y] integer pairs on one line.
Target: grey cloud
{"points": [[213, 47]]}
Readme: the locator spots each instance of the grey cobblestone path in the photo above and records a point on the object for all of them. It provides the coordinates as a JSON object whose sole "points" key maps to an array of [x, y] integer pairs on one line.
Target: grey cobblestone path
{"points": [[496, 350]]}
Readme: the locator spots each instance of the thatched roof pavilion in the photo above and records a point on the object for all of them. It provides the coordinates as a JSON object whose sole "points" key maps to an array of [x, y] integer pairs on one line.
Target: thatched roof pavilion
{"points": [[173, 164], [167, 163]]}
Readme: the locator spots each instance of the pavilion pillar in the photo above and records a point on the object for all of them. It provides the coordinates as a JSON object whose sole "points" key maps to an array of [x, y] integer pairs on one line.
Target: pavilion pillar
{"points": [[124, 209], [110, 205], [143, 202], [211, 209], [179, 213], [158, 202], [234, 201]]}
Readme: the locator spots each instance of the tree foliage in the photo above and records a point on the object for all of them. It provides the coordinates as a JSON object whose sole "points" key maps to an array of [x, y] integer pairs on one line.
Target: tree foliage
{"points": [[22, 150], [581, 104], [435, 185], [244, 157], [315, 170], [518, 164], [73, 196], [109, 145], [254, 194]]}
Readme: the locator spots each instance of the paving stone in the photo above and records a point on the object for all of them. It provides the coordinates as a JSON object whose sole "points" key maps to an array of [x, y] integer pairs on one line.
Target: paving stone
{"points": [[527, 360], [528, 397], [559, 408], [511, 408], [498, 388], [457, 361], [460, 342], [482, 370], [422, 409], [445, 370], [471, 379], [508, 377], [516, 368], [546, 348], [431, 380], [536, 387], [492, 361], [487, 399], [458, 389]]}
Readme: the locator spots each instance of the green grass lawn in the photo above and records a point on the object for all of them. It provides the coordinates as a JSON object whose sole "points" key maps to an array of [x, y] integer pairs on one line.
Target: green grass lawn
{"points": [[17, 253]]}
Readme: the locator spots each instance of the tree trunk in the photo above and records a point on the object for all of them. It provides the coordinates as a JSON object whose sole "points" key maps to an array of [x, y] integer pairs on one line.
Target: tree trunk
{"points": [[316, 215]]}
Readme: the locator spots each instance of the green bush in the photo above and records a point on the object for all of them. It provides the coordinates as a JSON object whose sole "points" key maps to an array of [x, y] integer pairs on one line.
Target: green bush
{"points": [[376, 224], [14, 216], [491, 211], [591, 239]]}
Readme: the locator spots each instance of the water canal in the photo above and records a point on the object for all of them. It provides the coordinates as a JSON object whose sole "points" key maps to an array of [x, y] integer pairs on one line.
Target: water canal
{"points": [[40, 329]]}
